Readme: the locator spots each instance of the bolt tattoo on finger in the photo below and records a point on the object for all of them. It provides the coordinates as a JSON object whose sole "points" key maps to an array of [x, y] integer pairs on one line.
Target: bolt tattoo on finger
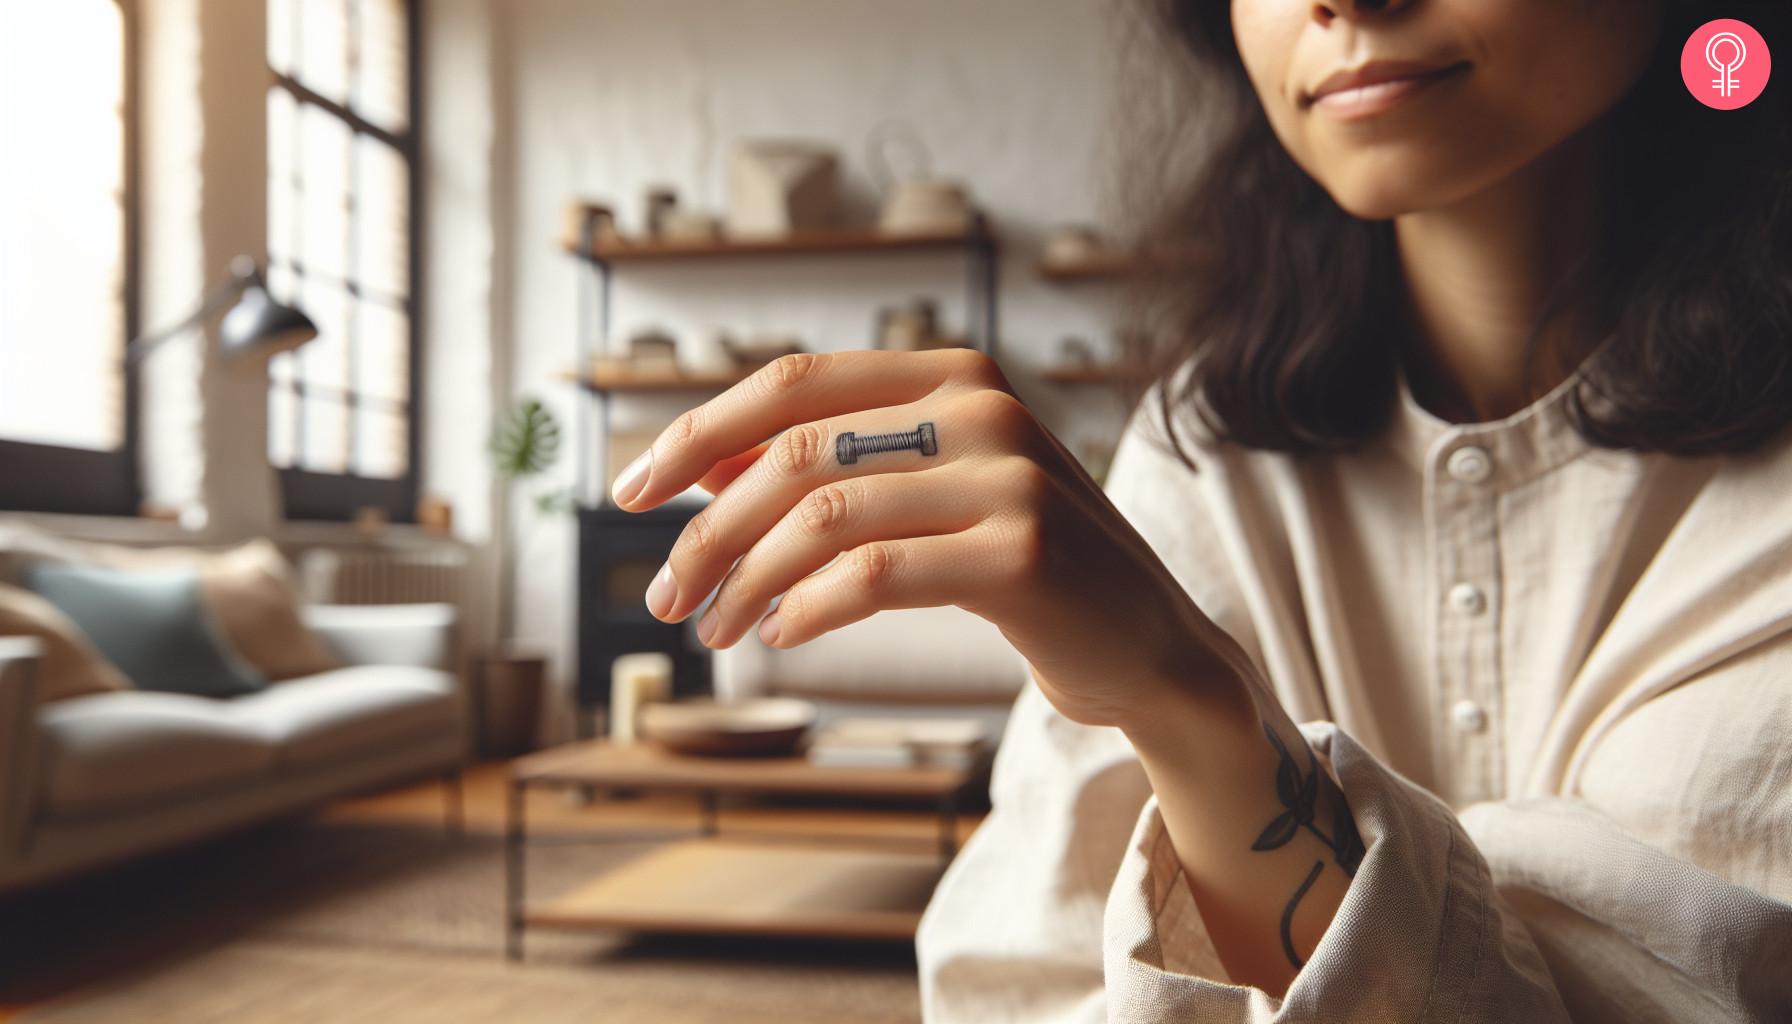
{"points": [[850, 446]]}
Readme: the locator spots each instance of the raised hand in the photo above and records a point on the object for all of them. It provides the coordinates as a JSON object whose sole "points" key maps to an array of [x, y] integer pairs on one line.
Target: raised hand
{"points": [[924, 481]]}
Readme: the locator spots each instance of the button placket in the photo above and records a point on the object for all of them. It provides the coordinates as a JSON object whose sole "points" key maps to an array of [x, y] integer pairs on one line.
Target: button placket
{"points": [[1467, 543]]}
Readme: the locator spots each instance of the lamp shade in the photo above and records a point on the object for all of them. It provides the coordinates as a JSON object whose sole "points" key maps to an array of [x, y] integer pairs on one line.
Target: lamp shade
{"points": [[259, 327]]}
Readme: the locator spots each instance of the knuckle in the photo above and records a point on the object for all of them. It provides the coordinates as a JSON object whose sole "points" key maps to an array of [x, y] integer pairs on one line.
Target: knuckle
{"points": [[1024, 549], [1030, 483], [1001, 414], [683, 431], [824, 511], [871, 566], [700, 535], [787, 373], [798, 449], [976, 367]]}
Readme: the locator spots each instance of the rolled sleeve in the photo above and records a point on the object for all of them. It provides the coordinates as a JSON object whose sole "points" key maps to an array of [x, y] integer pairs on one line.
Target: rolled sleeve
{"points": [[1422, 927]]}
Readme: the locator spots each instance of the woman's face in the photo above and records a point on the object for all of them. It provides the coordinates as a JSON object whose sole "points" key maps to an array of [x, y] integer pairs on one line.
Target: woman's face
{"points": [[1469, 92]]}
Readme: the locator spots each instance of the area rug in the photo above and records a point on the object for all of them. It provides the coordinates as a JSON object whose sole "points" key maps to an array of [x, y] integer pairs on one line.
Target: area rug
{"points": [[336, 922]]}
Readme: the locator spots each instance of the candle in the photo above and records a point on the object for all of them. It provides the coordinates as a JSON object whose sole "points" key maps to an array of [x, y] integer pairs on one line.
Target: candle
{"points": [[636, 679]]}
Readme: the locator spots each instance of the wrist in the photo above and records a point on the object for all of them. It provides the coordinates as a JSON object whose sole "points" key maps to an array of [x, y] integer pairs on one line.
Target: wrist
{"points": [[1197, 700]]}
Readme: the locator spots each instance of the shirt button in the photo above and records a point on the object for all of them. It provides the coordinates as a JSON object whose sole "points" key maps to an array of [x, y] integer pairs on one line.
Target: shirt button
{"points": [[1467, 599], [1470, 464], [1468, 716]]}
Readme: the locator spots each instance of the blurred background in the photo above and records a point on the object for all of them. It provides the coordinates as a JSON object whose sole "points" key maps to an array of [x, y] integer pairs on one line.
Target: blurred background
{"points": [[333, 319]]}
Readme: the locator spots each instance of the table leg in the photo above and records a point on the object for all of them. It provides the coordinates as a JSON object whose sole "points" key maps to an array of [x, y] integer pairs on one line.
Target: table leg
{"points": [[514, 864], [709, 812]]}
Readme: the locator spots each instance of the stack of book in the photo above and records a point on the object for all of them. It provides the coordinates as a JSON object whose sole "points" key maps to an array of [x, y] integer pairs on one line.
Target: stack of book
{"points": [[898, 742]]}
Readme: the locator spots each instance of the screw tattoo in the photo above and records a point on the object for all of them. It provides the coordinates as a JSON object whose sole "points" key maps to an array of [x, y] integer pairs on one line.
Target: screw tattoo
{"points": [[850, 446]]}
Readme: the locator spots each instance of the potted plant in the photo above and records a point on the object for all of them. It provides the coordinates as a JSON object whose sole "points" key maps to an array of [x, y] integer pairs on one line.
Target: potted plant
{"points": [[525, 444]]}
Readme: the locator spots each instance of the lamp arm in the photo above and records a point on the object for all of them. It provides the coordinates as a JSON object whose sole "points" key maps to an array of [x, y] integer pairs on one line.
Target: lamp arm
{"points": [[143, 344]]}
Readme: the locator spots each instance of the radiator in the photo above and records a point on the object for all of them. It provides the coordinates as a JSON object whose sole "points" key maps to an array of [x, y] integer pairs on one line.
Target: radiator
{"points": [[385, 575]]}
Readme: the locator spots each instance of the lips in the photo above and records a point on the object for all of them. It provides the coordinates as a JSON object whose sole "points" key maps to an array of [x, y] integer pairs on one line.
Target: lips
{"points": [[1394, 77]]}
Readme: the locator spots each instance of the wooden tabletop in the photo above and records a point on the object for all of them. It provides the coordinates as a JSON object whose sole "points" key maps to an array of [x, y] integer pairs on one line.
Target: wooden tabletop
{"points": [[649, 766]]}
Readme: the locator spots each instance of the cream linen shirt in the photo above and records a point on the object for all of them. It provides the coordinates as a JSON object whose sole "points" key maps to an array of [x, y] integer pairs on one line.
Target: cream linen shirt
{"points": [[1554, 682]]}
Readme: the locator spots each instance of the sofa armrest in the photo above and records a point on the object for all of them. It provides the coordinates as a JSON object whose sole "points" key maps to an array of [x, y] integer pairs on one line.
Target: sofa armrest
{"points": [[18, 739], [423, 635]]}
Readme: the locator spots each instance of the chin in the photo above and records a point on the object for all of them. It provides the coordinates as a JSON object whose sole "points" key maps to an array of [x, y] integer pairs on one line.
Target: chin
{"points": [[1392, 185]]}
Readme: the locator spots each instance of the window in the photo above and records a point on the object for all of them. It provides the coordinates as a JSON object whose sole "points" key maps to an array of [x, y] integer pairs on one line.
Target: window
{"points": [[342, 245], [67, 269]]}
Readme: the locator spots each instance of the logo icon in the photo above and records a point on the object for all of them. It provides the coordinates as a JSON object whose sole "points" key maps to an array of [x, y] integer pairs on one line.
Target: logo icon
{"points": [[1725, 64]]}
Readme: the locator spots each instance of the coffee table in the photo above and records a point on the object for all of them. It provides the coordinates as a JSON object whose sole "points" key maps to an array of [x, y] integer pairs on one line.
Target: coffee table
{"points": [[742, 885]]}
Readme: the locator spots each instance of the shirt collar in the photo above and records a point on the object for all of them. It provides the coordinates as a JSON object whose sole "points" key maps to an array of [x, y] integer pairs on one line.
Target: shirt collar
{"points": [[1523, 445]]}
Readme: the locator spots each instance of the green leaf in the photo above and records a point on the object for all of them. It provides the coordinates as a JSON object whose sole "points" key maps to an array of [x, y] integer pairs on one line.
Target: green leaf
{"points": [[554, 503], [525, 440]]}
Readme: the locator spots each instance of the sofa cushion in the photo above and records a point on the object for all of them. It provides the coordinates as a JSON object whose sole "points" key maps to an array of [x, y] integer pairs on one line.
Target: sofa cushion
{"points": [[248, 589], [115, 749], [152, 625], [349, 710], [69, 665]]}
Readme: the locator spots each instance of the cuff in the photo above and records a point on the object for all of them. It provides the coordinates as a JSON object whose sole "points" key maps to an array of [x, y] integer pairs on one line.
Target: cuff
{"points": [[1419, 929]]}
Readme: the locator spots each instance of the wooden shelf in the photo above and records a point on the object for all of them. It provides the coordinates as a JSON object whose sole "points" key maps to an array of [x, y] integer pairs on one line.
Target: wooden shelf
{"points": [[1081, 375], [1112, 267], [815, 243], [726, 886], [631, 382]]}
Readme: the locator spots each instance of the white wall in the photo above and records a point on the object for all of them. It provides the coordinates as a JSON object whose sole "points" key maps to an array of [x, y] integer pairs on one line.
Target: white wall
{"points": [[599, 99]]}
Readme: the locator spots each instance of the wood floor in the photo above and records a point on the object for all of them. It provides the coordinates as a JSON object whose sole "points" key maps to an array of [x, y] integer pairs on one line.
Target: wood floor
{"points": [[481, 803]]}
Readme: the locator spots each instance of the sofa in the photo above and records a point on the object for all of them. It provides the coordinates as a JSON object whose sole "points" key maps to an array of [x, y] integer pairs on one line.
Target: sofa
{"points": [[96, 779], [909, 663]]}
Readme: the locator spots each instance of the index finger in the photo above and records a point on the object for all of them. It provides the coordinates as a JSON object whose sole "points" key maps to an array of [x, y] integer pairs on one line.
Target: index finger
{"points": [[790, 390]]}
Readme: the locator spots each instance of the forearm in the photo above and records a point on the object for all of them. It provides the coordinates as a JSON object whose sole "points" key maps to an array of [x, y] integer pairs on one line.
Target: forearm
{"points": [[1265, 841]]}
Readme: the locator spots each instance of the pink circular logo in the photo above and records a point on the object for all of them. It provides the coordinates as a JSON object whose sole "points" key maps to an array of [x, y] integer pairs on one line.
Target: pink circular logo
{"points": [[1725, 64]]}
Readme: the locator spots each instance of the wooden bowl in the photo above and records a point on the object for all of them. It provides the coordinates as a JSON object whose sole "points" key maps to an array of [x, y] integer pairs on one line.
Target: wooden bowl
{"points": [[760, 727]]}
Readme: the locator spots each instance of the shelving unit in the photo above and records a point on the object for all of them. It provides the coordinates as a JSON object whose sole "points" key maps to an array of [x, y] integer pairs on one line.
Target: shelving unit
{"points": [[610, 539], [605, 256]]}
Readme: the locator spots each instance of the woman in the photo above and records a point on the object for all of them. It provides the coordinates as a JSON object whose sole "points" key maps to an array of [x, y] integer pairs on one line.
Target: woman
{"points": [[1472, 459]]}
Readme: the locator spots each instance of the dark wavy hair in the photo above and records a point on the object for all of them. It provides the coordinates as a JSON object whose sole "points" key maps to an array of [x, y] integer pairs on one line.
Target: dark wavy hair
{"points": [[1283, 307]]}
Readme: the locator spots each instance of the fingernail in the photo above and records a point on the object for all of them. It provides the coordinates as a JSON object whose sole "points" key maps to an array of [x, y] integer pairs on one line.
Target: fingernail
{"points": [[706, 626], [662, 592], [632, 478], [768, 629]]}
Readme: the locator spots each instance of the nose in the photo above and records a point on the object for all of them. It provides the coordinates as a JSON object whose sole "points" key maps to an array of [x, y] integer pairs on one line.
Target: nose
{"points": [[1324, 13]]}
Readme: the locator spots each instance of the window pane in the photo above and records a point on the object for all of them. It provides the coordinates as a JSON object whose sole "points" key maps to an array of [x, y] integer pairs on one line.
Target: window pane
{"points": [[283, 177], [323, 364], [379, 443], [322, 60], [280, 34], [281, 405], [323, 196], [381, 88], [61, 226], [382, 353], [326, 435], [382, 218]]}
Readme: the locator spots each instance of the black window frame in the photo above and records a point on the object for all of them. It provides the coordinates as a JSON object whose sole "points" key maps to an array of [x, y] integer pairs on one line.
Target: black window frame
{"points": [[81, 481], [339, 497]]}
